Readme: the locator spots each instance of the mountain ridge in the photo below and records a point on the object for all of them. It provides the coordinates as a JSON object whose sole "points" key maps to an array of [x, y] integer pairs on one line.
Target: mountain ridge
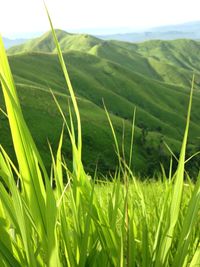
{"points": [[153, 76], [46, 44], [189, 30]]}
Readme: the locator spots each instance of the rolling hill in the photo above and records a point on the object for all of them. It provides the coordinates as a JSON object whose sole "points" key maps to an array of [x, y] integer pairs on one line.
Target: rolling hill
{"points": [[45, 43], [154, 77]]}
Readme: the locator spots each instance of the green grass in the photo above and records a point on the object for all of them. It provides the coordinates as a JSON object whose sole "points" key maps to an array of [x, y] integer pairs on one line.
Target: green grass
{"points": [[47, 222]]}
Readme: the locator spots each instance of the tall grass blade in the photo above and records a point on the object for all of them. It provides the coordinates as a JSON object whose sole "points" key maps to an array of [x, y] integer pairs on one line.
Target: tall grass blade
{"points": [[71, 91], [174, 210], [191, 218]]}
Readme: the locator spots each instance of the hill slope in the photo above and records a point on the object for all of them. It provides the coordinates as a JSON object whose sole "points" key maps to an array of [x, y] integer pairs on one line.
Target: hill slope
{"points": [[45, 43], [154, 77], [168, 61]]}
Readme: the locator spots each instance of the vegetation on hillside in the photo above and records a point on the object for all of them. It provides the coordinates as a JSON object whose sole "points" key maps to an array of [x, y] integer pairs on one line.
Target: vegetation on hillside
{"points": [[153, 76]]}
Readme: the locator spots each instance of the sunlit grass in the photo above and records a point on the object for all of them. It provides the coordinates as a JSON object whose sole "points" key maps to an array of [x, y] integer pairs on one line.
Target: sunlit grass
{"points": [[125, 222]]}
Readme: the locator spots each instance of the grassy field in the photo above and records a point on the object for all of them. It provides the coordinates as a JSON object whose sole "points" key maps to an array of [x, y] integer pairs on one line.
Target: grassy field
{"points": [[154, 77], [65, 218]]}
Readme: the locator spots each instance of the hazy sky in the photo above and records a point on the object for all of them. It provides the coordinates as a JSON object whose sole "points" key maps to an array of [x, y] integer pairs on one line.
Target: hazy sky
{"points": [[18, 16]]}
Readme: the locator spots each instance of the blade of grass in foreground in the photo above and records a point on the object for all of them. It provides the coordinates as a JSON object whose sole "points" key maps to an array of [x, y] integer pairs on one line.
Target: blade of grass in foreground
{"points": [[23, 143], [32, 185], [191, 218], [81, 186], [196, 258], [173, 213], [71, 91], [39, 200], [17, 211]]}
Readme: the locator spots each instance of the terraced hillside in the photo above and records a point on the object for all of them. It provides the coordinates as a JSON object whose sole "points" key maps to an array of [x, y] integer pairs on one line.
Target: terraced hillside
{"points": [[154, 77]]}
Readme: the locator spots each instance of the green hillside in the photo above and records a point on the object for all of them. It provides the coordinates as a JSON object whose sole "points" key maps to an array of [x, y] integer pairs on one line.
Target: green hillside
{"points": [[178, 58], [154, 77], [45, 43]]}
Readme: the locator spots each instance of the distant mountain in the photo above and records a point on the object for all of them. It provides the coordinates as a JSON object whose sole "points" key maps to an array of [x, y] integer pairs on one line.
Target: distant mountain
{"points": [[45, 43], [11, 42], [184, 27], [154, 76], [183, 31]]}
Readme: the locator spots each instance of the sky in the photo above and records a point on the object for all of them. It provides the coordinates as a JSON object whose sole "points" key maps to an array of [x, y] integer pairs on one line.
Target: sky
{"points": [[18, 17]]}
